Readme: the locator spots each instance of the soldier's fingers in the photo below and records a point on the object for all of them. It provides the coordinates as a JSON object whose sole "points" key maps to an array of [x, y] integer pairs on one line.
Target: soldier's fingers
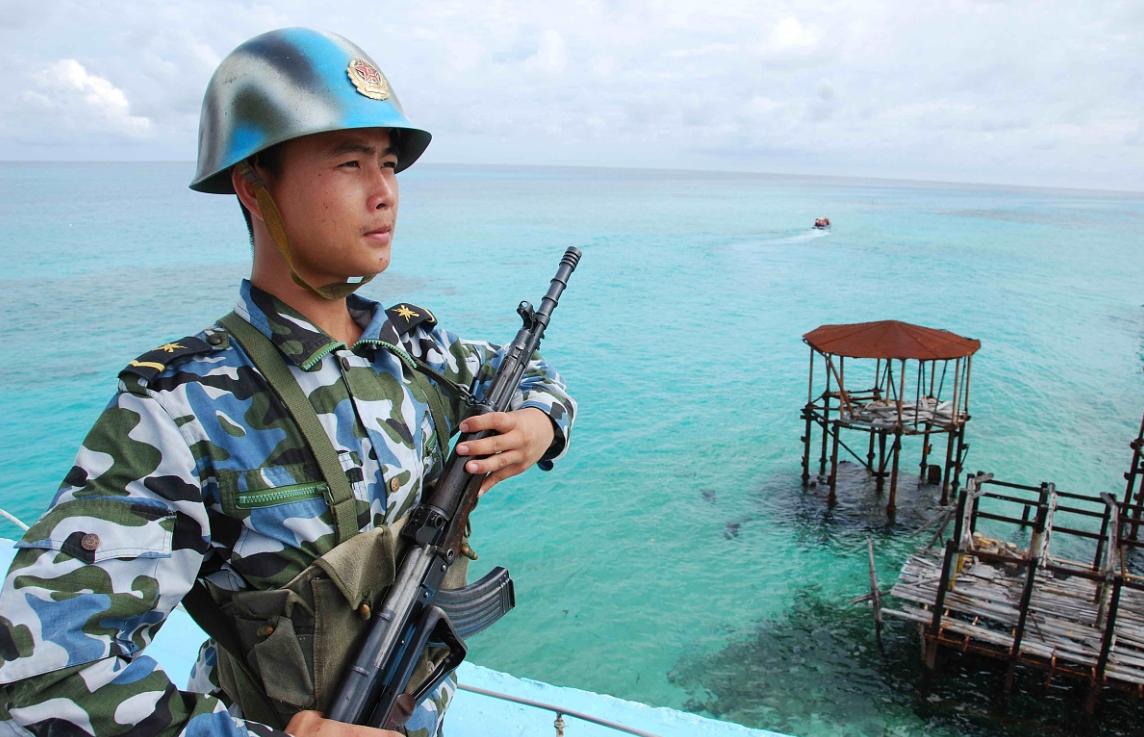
{"points": [[499, 421], [496, 462], [492, 444], [495, 478]]}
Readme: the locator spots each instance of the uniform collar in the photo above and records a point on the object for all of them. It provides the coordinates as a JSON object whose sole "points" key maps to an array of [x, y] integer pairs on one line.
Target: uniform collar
{"points": [[300, 341]]}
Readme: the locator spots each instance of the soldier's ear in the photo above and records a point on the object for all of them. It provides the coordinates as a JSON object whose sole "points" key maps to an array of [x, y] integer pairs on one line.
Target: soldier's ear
{"points": [[245, 191]]}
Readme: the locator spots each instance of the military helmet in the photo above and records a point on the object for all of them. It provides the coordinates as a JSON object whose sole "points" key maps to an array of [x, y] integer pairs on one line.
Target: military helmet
{"points": [[290, 83]]}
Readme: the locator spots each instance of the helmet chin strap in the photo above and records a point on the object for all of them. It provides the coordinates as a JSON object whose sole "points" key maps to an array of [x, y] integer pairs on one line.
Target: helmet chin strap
{"points": [[272, 218]]}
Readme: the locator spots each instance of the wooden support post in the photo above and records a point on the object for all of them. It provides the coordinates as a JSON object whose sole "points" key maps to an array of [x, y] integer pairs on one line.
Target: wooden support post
{"points": [[918, 395], [825, 420], [896, 448], [956, 425], [948, 467], [1026, 597], [808, 415], [965, 402], [870, 455], [934, 632], [955, 416], [959, 518], [1111, 558], [1098, 558], [1131, 476], [959, 453], [973, 513], [875, 593], [925, 453], [880, 477], [925, 437], [1105, 647], [896, 451], [832, 499]]}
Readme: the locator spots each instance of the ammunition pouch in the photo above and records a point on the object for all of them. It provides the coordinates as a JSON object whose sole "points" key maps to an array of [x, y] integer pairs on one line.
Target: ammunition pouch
{"points": [[296, 642]]}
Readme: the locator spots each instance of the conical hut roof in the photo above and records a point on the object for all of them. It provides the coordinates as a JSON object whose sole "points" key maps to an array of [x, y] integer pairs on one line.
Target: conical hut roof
{"points": [[890, 339]]}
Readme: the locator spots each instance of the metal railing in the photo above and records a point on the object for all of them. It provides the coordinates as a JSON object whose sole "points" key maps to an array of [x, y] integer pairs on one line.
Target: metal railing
{"points": [[559, 711], [15, 521]]}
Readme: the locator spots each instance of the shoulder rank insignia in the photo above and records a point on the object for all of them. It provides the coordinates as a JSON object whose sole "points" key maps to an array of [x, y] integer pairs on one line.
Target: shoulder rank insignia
{"points": [[144, 369], [404, 317]]}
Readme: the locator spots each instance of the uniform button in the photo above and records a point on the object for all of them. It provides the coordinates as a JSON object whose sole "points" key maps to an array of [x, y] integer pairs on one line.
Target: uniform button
{"points": [[89, 542], [214, 339], [394, 484], [346, 363]]}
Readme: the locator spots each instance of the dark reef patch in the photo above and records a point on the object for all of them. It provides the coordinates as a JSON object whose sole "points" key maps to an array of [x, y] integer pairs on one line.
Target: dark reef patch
{"points": [[818, 670]]}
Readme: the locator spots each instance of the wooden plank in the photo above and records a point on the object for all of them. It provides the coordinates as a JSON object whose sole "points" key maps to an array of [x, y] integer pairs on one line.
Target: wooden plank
{"points": [[982, 606]]}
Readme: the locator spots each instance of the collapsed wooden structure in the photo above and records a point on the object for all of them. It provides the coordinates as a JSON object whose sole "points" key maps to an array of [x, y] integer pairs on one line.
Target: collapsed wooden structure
{"points": [[1035, 605], [905, 397]]}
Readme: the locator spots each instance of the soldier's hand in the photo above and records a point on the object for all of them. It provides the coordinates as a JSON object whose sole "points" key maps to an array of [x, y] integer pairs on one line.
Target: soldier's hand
{"points": [[311, 724], [522, 438]]}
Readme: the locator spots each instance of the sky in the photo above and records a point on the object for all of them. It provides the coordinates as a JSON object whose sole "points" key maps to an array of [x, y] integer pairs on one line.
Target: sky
{"points": [[1045, 93]]}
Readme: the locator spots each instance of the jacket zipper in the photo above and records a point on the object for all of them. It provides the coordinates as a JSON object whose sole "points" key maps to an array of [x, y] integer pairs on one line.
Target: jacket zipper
{"points": [[281, 495], [398, 351]]}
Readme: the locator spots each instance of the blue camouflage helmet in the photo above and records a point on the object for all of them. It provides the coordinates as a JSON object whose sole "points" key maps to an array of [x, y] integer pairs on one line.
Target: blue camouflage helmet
{"points": [[290, 83]]}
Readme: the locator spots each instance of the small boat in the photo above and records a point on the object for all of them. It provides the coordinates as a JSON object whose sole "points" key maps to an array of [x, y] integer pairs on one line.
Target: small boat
{"points": [[822, 223]]}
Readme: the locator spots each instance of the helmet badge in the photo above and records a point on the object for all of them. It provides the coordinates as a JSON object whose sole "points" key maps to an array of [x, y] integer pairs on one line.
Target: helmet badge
{"points": [[368, 79]]}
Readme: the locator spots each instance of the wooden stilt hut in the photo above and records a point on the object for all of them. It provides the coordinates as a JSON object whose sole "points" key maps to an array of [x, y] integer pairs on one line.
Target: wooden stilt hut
{"points": [[917, 385]]}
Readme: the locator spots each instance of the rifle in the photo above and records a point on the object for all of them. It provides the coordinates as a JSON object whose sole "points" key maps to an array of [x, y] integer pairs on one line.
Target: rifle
{"points": [[415, 612]]}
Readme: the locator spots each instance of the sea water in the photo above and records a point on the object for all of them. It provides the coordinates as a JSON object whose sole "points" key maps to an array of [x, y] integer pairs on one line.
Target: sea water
{"points": [[673, 556]]}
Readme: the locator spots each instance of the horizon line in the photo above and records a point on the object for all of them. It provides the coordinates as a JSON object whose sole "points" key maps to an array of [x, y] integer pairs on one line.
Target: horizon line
{"points": [[733, 172]]}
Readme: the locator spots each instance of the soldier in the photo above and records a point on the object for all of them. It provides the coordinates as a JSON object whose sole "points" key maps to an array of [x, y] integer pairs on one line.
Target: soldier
{"points": [[205, 477]]}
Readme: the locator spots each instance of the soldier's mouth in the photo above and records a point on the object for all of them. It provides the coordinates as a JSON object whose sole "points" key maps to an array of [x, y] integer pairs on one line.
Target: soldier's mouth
{"points": [[380, 235]]}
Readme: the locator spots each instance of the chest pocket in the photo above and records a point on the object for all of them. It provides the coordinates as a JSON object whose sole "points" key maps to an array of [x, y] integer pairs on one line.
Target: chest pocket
{"points": [[242, 492], [286, 516]]}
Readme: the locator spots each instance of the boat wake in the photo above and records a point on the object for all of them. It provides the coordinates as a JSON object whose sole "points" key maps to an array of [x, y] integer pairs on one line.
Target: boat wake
{"points": [[763, 241], [803, 236]]}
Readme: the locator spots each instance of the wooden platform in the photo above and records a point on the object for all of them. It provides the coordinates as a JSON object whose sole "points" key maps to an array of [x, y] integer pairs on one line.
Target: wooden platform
{"points": [[1025, 606], [1062, 630]]}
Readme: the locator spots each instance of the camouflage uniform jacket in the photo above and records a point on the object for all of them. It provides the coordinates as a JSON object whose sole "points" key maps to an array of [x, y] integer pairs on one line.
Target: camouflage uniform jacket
{"points": [[195, 468]]}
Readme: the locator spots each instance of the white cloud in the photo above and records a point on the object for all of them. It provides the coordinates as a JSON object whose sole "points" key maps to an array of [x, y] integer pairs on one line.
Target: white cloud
{"points": [[789, 35], [101, 104], [962, 89]]}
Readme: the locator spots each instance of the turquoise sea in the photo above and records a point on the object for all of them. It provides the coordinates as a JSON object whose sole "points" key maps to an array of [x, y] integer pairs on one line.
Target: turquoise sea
{"points": [[673, 557]]}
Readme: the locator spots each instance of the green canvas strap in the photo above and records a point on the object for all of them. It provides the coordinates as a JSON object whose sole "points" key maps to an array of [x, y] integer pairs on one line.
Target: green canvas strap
{"points": [[269, 361], [433, 398], [417, 370]]}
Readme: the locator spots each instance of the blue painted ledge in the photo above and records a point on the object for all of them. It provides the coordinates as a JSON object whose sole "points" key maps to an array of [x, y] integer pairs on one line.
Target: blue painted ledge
{"points": [[476, 715]]}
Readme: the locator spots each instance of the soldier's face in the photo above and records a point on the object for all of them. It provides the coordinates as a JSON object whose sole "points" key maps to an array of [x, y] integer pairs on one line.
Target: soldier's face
{"points": [[337, 193]]}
